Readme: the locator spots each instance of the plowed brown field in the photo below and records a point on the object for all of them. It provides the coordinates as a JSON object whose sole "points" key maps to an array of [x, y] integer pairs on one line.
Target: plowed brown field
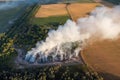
{"points": [[104, 57]]}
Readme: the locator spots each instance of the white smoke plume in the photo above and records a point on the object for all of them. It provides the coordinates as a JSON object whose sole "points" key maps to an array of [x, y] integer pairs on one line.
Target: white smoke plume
{"points": [[62, 37], [67, 41], [103, 22]]}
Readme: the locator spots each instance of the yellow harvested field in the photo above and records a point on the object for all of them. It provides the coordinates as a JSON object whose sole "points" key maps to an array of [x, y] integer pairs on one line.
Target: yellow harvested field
{"points": [[52, 10], [77, 10], [104, 57]]}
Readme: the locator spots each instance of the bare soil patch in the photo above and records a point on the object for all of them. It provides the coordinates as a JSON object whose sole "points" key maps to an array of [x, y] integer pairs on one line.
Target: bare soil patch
{"points": [[51, 10], [104, 57]]}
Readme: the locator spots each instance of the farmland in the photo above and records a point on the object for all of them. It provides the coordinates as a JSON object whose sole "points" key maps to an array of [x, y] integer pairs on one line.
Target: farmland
{"points": [[79, 1], [59, 13], [50, 20], [51, 10], [51, 14], [104, 57], [78, 10]]}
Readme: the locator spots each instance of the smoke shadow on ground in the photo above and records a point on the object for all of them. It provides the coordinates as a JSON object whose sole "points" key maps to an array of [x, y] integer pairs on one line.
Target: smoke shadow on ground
{"points": [[116, 2], [109, 76]]}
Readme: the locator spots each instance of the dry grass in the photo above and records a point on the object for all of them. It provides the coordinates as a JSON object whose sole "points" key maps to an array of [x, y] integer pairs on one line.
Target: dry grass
{"points": [[77, 10], [104, 57], [52, 10]]}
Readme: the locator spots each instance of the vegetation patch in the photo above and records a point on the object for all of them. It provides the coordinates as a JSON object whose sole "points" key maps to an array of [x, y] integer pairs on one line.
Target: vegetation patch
{"points": [[55, 72], [55, 20]]}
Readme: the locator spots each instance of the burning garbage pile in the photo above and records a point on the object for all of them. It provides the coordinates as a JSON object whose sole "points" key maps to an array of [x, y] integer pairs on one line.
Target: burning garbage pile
{"points": [[63, 52], [68, 40], [62, 44]]}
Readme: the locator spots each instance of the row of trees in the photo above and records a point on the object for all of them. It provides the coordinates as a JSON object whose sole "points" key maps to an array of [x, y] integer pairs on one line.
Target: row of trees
{"points": [[7, 53], [56, 72]]}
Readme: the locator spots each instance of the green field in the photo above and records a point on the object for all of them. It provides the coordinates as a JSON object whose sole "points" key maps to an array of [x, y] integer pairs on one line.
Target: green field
{"points": [[50, 20], [9, 16]]}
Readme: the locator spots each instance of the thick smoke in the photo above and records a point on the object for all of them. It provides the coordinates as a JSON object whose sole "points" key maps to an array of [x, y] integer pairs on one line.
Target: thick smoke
{"points": [[64, 38], [103, 23], [67, 41]]}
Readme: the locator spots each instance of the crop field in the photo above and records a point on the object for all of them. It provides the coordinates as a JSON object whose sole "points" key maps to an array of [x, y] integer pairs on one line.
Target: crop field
{"points": [[50, 20], [59, 13], [81, 1], [77, 10], [104, 57], [51, 10], [52, 14], [56, 9]]}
